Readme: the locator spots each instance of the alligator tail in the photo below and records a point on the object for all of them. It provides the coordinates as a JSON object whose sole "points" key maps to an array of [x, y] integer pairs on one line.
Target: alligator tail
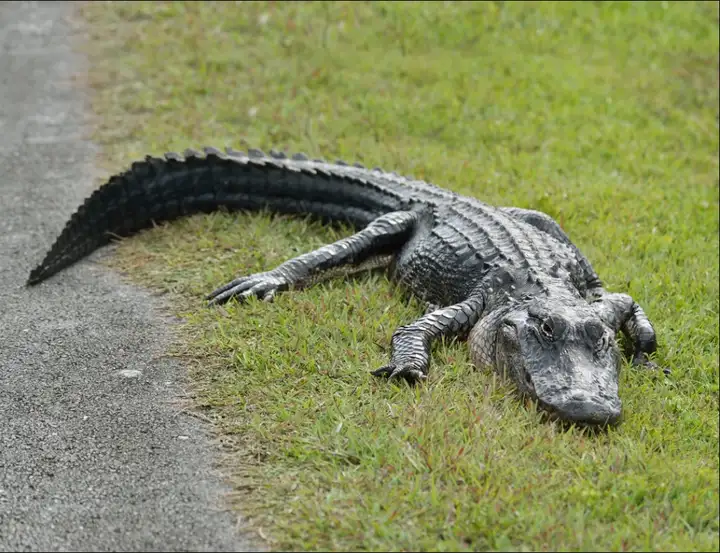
{"points": [[163, 189]]}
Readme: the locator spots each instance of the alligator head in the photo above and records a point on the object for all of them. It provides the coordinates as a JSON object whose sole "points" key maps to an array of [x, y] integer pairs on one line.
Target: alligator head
{"points": [[558, 352]]}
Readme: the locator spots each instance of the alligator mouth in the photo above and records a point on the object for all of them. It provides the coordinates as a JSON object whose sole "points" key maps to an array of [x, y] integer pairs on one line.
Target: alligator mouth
{"points": [[582, 413]]}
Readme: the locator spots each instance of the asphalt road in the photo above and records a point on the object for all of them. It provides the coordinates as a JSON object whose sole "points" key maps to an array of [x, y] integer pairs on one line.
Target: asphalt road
{"points": [[90, 458]]}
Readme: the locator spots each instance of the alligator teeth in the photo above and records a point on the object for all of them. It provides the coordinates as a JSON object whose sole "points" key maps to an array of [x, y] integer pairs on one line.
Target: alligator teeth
{"points": [[255, 153], [278, 155]]}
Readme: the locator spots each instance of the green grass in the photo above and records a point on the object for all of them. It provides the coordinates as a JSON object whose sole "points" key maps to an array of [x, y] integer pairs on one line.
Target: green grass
{"points": [[602, 115]]}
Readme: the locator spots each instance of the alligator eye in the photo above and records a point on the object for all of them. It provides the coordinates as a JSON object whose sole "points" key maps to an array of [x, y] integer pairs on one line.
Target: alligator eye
{"points": [[546, 328]]}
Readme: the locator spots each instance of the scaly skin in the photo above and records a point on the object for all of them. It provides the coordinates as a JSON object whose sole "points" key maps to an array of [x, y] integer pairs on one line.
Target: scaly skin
{"points": [[510, 279]]}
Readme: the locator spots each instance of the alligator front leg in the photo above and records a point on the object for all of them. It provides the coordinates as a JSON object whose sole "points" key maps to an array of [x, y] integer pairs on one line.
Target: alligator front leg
{"points": [[372, 247], [621, 312], [411, 344]]}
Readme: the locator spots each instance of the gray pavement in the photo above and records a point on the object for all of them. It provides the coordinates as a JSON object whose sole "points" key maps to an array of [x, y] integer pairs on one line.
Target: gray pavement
{"points": [[90, 459]]}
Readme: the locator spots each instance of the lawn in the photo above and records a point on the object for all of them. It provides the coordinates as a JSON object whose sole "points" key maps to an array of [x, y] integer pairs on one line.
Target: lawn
{"points": [[603, 115]]}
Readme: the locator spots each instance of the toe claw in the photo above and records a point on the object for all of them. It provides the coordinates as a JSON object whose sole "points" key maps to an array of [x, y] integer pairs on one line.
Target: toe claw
{"points": [[383, 371], [269, 296], [234, 292], [214, 300], [645, 363], [411, 376], [232, 284], [220, 290], [394, 372]]}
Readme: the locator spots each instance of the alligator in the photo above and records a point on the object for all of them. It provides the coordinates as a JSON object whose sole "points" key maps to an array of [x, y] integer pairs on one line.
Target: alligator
{"points": [[507, 280]]}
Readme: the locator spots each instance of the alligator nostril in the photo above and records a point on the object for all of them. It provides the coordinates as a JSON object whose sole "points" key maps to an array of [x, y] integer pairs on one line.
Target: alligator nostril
{"points": [[579, 397]]}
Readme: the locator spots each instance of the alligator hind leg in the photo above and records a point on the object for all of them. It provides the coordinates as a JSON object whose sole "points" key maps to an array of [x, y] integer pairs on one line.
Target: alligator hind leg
{"points": [[372, 247], [411, 344]]}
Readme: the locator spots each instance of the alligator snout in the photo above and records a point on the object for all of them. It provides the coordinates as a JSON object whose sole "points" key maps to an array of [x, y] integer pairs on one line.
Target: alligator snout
{"points": [[584, 408]]}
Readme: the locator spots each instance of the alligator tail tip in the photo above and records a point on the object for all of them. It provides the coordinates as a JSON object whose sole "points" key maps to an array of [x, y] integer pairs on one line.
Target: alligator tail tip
{"points": [[35, 277]]}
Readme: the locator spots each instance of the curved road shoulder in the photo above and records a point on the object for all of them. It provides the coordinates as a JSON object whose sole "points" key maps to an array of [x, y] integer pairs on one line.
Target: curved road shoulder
{"points": [[94, 452]]}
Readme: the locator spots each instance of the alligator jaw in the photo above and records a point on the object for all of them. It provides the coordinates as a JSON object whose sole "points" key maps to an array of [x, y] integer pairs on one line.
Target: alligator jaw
{"points": [[585, 411]]}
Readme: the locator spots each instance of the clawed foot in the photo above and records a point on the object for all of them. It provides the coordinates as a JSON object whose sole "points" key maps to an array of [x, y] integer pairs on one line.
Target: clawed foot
{"points": [[642, 361], [261, 285], [409, 371]]}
